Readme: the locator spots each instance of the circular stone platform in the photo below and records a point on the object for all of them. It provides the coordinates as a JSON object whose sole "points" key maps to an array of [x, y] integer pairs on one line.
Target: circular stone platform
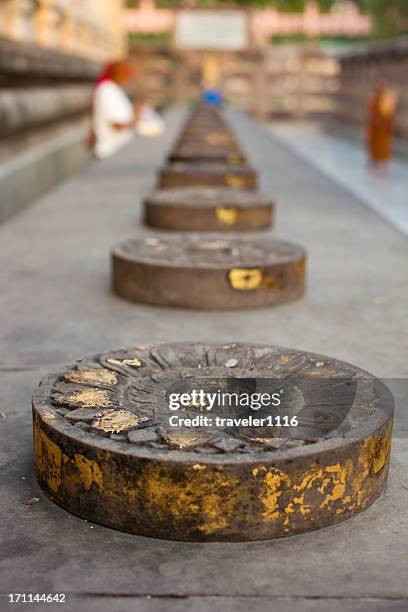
{"points": [[208, 209], [210, 272], [207, 174], [207, 154], [105, 451]]}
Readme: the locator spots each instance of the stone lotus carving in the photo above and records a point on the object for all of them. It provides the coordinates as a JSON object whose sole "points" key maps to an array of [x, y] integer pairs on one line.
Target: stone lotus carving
{"points": [[122, 394]]}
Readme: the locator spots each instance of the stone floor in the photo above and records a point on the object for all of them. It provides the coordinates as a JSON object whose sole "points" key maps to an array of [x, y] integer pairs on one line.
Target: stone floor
{"points": [[56, 305], [345, 161]]}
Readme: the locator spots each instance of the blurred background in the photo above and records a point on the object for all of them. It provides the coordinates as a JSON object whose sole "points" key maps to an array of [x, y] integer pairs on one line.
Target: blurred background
{"points": [[281, 60]]}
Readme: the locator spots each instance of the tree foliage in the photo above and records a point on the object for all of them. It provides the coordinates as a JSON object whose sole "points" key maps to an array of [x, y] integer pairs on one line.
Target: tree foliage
{"points": [[390, 16]]}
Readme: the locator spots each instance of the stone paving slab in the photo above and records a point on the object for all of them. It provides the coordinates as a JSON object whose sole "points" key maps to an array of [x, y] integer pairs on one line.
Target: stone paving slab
{"points": [[56, 305], [92, 603], [345, 161]]}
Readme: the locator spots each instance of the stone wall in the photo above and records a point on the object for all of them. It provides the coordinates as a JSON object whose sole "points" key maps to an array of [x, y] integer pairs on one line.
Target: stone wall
{"points": [[45, 105], [88, 28], [50, 54]]}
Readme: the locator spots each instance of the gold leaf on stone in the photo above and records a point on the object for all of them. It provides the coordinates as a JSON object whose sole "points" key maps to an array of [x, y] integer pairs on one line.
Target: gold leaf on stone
{"points": [[245, 279], [134, 363], [183, 438], [234, 159], [217, 138], [116, 421], [92, 376], [270, 283], [226, 215], [86, 398], [321, 373], [235, 181]]}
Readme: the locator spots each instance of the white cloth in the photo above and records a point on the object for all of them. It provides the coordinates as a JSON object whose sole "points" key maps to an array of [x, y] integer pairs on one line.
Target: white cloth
{"points": [[111, 105], [150, 123]]}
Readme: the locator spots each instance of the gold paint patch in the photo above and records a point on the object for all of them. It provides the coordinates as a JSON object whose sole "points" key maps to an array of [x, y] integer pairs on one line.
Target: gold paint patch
{"points": [[270, 283], [300, 268], [87, 398], [48, 459], [217, 138], [245, 279], [89, 471], [134, 363], [210, 497], [274, 481], [180, 439], [234, 159], [226, 215], [89, 377], [232, 180], [116, 421]]}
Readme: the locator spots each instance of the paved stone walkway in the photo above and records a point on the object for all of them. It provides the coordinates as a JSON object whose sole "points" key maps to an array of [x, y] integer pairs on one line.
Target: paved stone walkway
{"points": [[56, 305], [345, 162]]}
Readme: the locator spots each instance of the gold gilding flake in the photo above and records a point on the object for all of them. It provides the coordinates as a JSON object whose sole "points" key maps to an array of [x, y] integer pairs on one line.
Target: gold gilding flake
{"points": [[234, 159], [134, 363], [49, 415], [232, 180], [300, 268], [274, 483], [226, 215], [89, 472], [210, 498], [260, 440], [217, 138], [93, 376], [321, 373], [48, 459], [381, 456], [270, 283], [86, 398], [180, 439], [116, 421], [245, 279]]}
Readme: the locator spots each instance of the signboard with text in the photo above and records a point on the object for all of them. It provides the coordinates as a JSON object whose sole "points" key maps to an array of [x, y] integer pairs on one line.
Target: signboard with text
{"points": [[206, 30]]}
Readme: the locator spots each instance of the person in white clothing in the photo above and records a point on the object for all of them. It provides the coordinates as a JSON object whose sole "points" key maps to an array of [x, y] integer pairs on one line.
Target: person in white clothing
{"points": [[114, 116]]}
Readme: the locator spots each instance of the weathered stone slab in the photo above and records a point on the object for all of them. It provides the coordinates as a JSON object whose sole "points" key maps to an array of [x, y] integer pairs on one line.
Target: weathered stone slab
{"points": [[208, 209], [211, 272], [207, 174], [213, 474]]}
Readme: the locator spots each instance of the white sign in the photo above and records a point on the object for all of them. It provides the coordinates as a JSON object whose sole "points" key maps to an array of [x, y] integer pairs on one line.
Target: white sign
{"points": [[211, 30]]}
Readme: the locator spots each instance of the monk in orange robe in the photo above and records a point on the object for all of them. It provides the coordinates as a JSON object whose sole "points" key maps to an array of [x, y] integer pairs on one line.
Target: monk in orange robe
{"points": [[381, 112]]}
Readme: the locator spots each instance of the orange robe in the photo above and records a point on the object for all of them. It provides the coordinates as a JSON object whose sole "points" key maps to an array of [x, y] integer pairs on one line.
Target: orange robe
{"points": [[380, 133]]}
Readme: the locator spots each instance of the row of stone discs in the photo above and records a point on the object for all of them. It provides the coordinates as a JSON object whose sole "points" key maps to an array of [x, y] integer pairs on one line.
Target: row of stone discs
{"points": [[104, 445], [208, 186], [207, 153]]}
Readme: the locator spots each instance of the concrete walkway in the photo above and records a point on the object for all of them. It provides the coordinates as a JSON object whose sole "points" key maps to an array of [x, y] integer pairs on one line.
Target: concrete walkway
{"points": [[346, 163], [56, 305]]}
